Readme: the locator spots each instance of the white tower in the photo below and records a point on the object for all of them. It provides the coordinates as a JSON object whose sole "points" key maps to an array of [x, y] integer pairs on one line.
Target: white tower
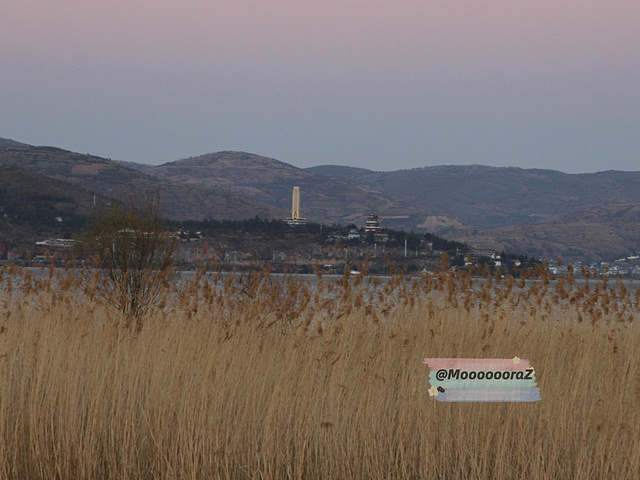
{"points": [[295, 208]]}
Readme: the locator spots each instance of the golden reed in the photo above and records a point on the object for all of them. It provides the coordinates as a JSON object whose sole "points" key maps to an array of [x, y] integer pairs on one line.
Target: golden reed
{"points": [[265, 377]]}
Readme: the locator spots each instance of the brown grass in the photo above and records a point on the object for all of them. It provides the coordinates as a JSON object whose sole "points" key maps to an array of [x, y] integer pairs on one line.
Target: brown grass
{"points": [[256, 377]]}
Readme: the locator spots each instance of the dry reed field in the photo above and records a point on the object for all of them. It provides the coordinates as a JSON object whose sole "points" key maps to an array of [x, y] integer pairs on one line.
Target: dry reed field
{"points": [[257, 377]]}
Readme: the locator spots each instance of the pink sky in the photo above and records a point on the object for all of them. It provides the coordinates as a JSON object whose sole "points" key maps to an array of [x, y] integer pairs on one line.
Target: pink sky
{"points": [[498, 82], [371, 29]]}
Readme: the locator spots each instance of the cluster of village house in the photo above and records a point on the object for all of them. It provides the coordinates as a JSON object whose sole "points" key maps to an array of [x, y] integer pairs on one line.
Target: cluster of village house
{"points": [[45, 249], [623, 266], [62, 247]]}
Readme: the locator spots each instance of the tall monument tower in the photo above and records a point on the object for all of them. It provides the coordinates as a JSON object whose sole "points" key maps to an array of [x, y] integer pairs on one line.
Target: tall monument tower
{"points": [[296, 218], [295, 208]]}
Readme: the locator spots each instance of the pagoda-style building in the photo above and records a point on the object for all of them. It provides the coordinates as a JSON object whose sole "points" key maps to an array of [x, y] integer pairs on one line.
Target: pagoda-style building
{"points": [[372, 223]]}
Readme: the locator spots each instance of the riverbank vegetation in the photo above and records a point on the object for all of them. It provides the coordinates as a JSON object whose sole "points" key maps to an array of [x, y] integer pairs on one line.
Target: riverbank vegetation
{"points": [[279, 377]]}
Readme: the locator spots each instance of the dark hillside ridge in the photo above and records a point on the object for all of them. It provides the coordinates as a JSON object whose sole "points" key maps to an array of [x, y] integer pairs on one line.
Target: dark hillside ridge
{"points": [[96, 174], [536, 211], [34, 207], [8, 143]]}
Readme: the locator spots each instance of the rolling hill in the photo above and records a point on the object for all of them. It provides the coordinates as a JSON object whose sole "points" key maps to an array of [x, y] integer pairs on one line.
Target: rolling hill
{"points": [[545, 213], [95, 174], [490, 197], [7, 143], [533, 211], [323, 198]]}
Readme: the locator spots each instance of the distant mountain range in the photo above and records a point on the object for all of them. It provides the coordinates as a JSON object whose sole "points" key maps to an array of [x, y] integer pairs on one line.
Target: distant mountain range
{"points": [[490, 197], [116, 180], [545, 213], [541, 212], [324, 198]]}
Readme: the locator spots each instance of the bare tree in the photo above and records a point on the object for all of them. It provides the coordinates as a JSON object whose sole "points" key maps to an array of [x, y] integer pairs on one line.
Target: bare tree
{"points": [[133, 255]]}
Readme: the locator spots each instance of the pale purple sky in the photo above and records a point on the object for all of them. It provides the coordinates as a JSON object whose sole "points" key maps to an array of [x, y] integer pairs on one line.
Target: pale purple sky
{"points": [[375, 84]]}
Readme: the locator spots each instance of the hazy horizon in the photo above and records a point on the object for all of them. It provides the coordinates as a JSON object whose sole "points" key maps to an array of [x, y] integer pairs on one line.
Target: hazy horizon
{"points": [[390, 169], [365, 84]]}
